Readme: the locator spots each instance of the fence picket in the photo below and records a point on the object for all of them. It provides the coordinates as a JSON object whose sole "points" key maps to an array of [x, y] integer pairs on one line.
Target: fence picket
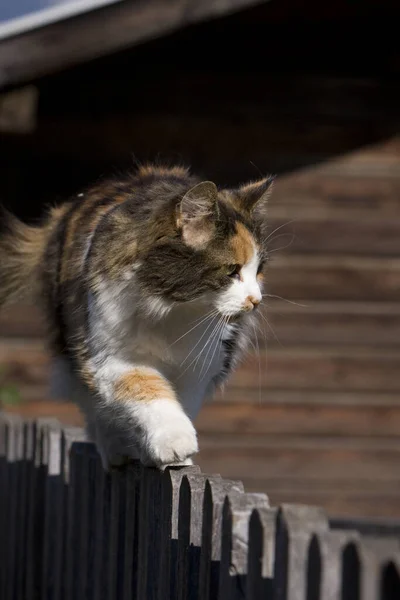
{"points": [[46, 510], [131, 543], [215, 492], [3, 504], [390, 580], [116, 534], [71, 531], [236, 515], [170, 488], [191, 499], [374, 555], [295, 526], [149, 534], [260, 565], [101, 510], [22, 509], [14, 498]]}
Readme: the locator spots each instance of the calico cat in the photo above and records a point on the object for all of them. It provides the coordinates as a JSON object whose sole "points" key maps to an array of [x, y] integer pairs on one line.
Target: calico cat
{"points": [[149, 283]]}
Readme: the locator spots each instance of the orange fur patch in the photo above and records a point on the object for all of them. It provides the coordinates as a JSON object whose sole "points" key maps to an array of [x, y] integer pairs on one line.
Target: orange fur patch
{"points": [[144, 385], [243, 245]]}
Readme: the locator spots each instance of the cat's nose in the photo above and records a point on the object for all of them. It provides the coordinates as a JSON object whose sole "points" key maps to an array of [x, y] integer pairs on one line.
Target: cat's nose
{"points": [[251, 303]]}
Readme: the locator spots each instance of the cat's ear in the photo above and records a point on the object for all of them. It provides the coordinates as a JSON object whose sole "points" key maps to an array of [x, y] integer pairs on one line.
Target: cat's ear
{"points": [[196, 214], [253, 197]]}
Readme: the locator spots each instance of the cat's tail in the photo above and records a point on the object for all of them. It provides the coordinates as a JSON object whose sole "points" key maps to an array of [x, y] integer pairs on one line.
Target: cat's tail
{"points": [[22, 249]]}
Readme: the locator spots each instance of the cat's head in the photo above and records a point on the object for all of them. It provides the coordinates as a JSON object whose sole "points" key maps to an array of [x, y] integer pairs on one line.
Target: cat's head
{"points": [[217, 251]]}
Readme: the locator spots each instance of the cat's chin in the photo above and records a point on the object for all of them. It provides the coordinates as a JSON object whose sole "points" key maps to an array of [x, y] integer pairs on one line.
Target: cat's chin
{"points": [[235, 318]]}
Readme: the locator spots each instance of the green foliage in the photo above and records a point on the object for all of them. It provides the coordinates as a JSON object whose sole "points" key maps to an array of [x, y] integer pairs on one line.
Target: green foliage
{"points": [[9, 393]]}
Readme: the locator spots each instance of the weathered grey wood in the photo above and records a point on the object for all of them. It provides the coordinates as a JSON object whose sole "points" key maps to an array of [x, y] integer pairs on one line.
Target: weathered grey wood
{"points": [[82, 503], [235, 531], [117, 523], [351, 566], [170, 486], [94, 464], [77, 523], [99, 32], [18, 110], [191, 500], [374, 554], [4, 515], [133, 475], [390, 580], [59, 491], [71, 435], [351, 573], [261, 553], [150, 549], [102, 510], [313, 570], [337, 566], [74, 523], [51, 510], [3, 503], [82, 534], [14, 438], [23, 502], [295, 525], [36, 471], [215, 492], [85, 454]]}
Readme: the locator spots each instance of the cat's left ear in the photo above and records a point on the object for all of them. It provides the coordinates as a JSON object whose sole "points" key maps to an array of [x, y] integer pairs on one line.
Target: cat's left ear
{"points": [[196, 214], [254, 197]]}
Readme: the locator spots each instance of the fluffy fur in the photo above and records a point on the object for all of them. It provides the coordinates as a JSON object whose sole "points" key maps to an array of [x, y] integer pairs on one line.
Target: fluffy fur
{"points": [[149, 283]]}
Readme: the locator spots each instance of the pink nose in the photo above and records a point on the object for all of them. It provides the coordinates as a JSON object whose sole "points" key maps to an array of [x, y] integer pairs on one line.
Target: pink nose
{"points": [[255, 301], [251, 303]]}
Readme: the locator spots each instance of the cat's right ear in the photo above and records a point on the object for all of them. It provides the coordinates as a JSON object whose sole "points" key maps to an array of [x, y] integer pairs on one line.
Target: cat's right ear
{"points": [[196, 214]]}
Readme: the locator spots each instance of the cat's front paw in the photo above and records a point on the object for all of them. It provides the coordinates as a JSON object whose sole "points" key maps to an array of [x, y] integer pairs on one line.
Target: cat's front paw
{"points": [[170, 437]]}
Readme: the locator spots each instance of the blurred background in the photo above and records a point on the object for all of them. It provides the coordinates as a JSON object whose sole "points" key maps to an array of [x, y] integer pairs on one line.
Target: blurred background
{"points": [[238, 88]]}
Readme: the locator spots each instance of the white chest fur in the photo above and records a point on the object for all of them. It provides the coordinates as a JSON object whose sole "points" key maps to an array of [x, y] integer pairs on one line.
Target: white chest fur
{"points": [[187, 348]]}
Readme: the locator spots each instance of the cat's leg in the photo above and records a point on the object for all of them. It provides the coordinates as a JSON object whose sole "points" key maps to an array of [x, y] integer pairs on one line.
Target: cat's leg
{"points": [[138, 414], [102, 432], [109, 445]]}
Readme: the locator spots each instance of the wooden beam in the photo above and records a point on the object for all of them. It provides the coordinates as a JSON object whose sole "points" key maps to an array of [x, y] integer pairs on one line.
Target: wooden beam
{"points": [[99, 32], [18, 110]]}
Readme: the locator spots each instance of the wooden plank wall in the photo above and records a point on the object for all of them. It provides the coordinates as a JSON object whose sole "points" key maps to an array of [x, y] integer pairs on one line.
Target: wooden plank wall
{"points": [[316, 418]]}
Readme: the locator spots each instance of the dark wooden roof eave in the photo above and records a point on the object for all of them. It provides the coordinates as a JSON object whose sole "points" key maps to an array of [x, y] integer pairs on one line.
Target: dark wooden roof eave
{"points": [[59, 45]]}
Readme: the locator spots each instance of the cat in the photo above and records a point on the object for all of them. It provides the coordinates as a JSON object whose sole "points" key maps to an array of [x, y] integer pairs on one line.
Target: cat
{"points": [[149, 283]]}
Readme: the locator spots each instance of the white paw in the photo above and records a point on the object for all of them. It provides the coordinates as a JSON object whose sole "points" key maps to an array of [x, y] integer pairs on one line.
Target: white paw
{"points": [[170, 438]]}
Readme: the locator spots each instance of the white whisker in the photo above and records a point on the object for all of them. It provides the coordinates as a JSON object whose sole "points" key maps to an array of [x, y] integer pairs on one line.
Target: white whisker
{"points": [[212, 337], [259, 362], [203, 319], [196, 358], [277, 229], [282, 247], [211, 317], [285, 300], [217, 344], [270, 327]]}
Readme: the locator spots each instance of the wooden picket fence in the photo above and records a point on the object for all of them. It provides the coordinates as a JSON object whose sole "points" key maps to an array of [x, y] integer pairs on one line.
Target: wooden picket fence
{"points": [[70, 531]]}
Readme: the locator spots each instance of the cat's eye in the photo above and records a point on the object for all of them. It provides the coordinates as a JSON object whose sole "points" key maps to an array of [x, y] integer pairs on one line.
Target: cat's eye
{"points": [[234, 271]]}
